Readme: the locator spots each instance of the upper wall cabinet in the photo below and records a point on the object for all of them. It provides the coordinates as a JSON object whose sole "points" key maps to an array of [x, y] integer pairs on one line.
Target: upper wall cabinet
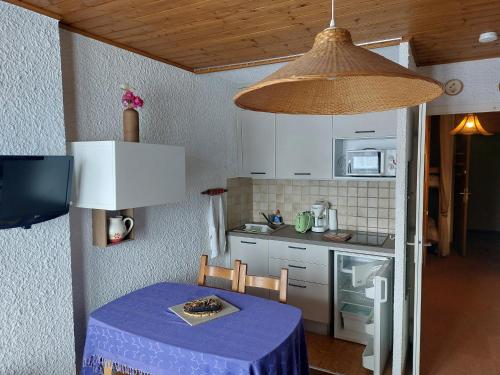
{"points": [[113, 175], [366, 125], [303, 146], [258, 144]]}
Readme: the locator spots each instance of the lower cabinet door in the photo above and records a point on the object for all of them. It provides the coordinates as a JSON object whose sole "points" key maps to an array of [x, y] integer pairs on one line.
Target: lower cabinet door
{"points": [[255, 253], [313, 299]]}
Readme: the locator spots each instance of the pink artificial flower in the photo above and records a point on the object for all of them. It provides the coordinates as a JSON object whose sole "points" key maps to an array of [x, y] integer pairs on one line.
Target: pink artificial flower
{"points": [[128, 95], [138, 102], [129, 100]]}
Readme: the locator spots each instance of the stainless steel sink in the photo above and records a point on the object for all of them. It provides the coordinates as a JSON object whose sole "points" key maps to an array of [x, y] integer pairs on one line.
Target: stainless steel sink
{"points": [[258, 228]]}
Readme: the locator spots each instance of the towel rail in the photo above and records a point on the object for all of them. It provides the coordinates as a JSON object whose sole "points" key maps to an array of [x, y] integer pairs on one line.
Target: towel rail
{"points": [[216, 191]]}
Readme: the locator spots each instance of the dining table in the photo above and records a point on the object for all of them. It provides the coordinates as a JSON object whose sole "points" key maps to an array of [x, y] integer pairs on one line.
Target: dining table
{"points": [[138, 334]]}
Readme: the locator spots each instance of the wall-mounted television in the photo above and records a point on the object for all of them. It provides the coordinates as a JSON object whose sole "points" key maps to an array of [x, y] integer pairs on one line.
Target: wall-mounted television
{"points": [[34, 189]]}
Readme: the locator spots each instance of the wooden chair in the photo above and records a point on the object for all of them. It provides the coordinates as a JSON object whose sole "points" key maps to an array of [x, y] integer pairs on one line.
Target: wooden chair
{"points": [[280, 285], [219, 272]]}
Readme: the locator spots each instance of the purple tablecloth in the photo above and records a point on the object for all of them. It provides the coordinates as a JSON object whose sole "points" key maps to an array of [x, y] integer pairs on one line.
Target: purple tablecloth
{"points": [[138, 333]]}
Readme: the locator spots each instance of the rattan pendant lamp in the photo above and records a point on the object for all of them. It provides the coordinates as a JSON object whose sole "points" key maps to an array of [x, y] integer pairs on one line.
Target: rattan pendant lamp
{"points": [[337, 77]]}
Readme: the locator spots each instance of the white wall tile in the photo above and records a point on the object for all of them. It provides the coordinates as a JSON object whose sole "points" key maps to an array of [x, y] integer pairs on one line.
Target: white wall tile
{"points": [[361, 205]]}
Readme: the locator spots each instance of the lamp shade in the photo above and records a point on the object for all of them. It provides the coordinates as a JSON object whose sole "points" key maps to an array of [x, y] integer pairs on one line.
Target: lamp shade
{"points": [[470, 125], [337, 77]]}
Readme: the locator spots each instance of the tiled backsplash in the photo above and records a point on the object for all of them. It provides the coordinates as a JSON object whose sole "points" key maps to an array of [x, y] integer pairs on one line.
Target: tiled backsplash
{"points": [[239, 201], [361, 205]]}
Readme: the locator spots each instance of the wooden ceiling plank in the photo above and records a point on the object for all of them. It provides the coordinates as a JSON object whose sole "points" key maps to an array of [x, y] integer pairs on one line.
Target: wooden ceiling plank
{"points": [[129, 9], [232, 23], [257, 39], [203, 32], [214, 36], [217, 34]]}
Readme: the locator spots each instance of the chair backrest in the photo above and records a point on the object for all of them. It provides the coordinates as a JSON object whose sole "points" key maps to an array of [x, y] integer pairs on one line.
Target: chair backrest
{"points": [[280, 285], [219, 272]]}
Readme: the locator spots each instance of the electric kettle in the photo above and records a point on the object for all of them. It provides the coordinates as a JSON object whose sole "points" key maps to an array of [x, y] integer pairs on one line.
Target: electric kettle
{"points": [[304, 221]]}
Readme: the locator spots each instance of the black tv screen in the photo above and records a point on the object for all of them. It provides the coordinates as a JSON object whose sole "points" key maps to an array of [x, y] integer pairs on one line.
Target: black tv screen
{"points": [[33, 189]]}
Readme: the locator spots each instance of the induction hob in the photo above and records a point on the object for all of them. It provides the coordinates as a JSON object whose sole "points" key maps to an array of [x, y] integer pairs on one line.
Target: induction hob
{"points": [[367, 238]]}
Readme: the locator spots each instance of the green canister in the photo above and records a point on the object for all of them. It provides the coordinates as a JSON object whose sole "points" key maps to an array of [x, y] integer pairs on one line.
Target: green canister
{"points": [[303, 221]]}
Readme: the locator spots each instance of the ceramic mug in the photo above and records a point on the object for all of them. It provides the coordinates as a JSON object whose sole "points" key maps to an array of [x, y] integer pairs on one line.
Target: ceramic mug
{"points": [[117, 229]]}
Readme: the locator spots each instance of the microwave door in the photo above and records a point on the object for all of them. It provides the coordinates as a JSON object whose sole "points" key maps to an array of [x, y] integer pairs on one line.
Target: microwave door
{"points": [[364, 163]]}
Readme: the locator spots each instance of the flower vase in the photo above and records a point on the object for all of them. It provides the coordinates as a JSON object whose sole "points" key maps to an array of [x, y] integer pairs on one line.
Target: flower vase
{"points": [[130, 125]]}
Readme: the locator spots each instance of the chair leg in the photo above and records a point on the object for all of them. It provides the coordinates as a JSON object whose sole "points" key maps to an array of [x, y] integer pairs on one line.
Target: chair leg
{"points": [[243, 275], [236, 275], [201, 273], [283, 285]]}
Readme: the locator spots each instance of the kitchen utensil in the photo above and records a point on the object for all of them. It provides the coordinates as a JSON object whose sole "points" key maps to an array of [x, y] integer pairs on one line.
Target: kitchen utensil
{"points": [[320, 211], [337, 237], [332, 219], [303, 221], [266, 217], [278, 219]]}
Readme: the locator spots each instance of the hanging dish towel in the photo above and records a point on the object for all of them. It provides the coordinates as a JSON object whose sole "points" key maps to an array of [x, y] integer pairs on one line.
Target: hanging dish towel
{"points": [[216, 226], [213, 231], [222, 226]]}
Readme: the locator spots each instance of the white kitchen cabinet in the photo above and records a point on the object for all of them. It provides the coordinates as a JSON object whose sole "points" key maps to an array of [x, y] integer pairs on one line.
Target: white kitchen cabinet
{"points": [[366, 125], [303, 146], [313, 299], [111, 175], [258, 144], [255, 253], [308, 277]]}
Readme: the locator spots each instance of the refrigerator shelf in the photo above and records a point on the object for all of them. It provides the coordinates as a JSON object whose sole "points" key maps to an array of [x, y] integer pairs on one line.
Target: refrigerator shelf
{"points": [[346, 286], [355, 299]]}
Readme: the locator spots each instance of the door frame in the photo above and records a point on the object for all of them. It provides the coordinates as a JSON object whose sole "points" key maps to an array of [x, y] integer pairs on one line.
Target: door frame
{"points": [[418, 241]]}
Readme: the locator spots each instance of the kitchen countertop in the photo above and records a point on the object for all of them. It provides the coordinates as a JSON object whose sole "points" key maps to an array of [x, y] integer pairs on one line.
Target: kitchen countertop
{"points": [[288, 233]]}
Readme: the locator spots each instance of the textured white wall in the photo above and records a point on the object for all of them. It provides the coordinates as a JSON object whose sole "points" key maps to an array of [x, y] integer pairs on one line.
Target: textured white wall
{"points": [[36, 330], [247, 76], [481, 92], [180, 109]]}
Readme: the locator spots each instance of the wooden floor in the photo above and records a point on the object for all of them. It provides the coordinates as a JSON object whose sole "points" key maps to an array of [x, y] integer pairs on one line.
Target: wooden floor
{"points": [[461, 310], [337, 356]]}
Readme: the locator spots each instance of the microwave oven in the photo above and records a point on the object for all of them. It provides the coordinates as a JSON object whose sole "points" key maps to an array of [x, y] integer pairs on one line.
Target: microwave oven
{"points": [[371, 162]]}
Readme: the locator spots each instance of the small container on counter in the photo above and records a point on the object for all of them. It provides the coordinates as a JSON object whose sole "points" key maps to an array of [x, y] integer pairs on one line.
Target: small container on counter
{"points": [[277, 218]]}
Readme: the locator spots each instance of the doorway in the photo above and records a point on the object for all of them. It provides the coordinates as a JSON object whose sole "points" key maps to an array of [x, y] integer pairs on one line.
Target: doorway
{"points": [[460, 295]]}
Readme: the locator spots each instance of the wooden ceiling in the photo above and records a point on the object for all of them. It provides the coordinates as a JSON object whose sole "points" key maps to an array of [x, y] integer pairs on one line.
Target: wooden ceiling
{"points": [[196, 34]]}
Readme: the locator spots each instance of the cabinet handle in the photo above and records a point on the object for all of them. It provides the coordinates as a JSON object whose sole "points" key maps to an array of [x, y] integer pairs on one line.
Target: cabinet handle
{"points": [[301, 267], [249, 243], [297, 248], [257, 172], [297, 285], [364, 131], [302, 173]]}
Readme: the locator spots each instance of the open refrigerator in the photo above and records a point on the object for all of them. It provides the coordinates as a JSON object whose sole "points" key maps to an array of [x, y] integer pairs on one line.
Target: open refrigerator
{"points": [[363, 307]]}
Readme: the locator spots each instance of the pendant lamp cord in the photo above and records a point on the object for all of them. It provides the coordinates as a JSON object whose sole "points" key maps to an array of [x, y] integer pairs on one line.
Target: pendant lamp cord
{"points": [[332, 21]]}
